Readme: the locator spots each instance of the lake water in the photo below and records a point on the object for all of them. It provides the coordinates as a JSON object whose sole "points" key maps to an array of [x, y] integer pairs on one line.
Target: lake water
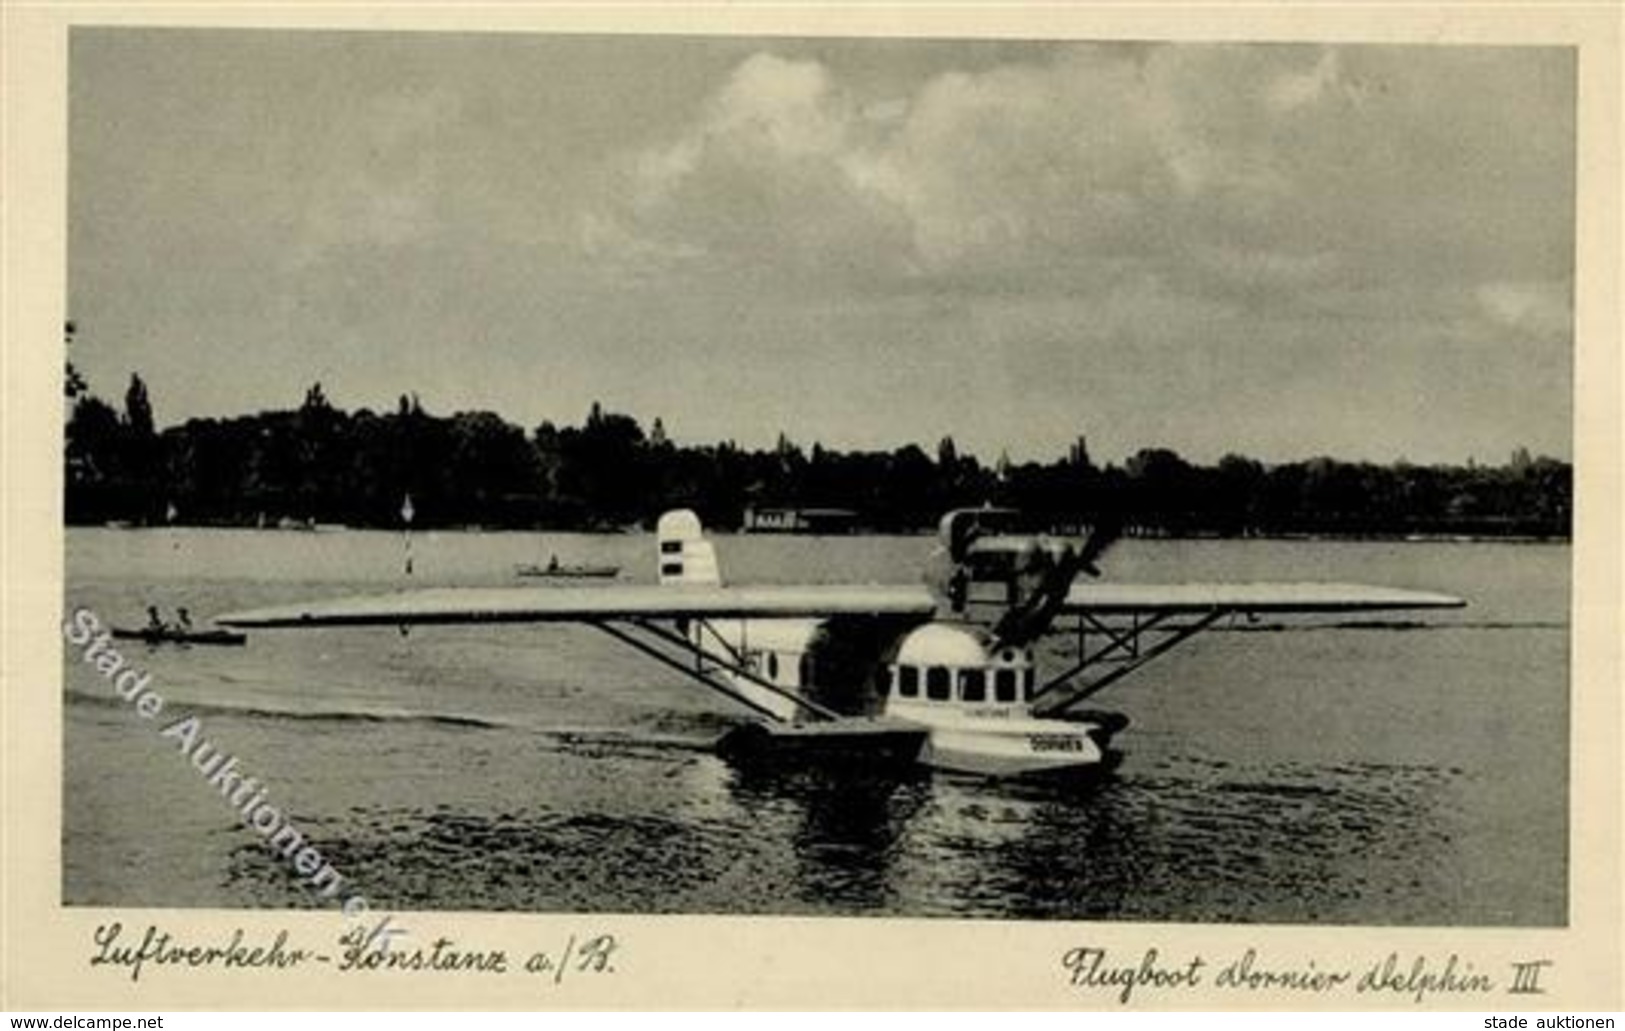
{"points": [[1397, 776]]}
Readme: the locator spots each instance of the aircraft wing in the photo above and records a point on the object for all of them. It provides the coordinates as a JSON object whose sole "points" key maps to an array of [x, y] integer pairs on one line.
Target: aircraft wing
{"points": [[597, 604], [1107, 599], [592, 604]]}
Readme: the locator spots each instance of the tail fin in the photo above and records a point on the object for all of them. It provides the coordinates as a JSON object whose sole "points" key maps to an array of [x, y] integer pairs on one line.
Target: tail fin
{"points": [[686, 557]]}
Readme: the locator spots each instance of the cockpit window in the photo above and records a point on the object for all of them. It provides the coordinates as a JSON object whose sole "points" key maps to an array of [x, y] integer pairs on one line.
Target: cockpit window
{"points": [[973, 685], [1004, 685], [908, 682], [937, 684]]}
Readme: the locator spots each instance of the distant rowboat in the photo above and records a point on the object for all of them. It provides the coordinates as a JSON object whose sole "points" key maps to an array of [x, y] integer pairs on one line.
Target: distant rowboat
{"points": [[567, 572], [171, 635]]}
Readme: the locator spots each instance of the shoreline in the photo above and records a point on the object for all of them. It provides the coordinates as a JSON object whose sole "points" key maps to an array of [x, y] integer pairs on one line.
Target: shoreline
{"points": [[1386, 537]]}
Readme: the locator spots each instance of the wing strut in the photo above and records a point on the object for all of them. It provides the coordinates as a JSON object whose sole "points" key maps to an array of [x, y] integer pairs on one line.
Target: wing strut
{"points": [[1127, 641], [627, 635]]}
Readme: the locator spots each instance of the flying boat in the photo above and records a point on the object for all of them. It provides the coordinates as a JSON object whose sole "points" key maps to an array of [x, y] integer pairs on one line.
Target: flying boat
{"points": [[944, 673]]}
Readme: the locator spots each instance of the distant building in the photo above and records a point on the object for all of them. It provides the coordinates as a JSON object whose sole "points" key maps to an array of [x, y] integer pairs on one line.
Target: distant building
{"points": [[800, 520]]}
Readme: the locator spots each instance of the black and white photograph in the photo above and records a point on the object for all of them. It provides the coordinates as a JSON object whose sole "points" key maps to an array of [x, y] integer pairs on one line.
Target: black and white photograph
{"points": [[1006, 481], [869, 412]]}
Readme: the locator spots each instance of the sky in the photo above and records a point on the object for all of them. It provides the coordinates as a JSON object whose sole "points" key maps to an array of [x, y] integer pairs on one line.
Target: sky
{"points": [[1282, 251]]}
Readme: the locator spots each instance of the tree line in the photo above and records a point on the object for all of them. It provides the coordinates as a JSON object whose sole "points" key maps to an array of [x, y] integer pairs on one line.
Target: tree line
{"points": [[320, 464]]}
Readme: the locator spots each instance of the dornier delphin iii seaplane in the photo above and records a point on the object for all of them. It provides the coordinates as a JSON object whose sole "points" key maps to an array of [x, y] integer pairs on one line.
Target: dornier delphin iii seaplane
{"points": [[942, 673]]}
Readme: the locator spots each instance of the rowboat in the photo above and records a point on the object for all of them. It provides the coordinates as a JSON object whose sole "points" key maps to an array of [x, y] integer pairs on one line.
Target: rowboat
{"points": [[558, 571], [173, 635]]}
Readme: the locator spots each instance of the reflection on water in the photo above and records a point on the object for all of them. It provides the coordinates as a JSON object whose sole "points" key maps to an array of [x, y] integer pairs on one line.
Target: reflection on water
{"points": [[1393, 775], [1192, 840], [1272, 844], [846, 831]]}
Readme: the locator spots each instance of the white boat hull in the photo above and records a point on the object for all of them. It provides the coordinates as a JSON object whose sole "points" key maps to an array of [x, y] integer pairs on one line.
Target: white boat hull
{"points": [[1011, 755], [1017, 747]]}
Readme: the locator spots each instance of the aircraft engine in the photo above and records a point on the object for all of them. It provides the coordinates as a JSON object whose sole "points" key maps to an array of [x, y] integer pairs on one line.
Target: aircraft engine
{"points": [[1028, 576]]}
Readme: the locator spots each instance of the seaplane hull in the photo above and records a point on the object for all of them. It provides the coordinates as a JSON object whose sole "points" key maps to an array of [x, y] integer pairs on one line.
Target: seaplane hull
{"points": [[854, 743], [859, 743], [936, 665], [1035, 750]]}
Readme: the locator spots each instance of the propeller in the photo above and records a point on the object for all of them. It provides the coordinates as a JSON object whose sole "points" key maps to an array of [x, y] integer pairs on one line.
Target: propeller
{"points": [[1041, 586], [1037, 571], [1101, 537]]}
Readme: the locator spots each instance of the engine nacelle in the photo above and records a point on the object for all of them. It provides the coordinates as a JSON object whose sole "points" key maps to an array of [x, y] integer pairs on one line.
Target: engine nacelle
{"points": [[981, 561]]}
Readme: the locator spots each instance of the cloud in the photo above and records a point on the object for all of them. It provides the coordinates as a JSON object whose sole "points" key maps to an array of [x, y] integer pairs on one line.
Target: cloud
{"points": [[1311, 178], [787, 108], [1541, 310], [775, 173], [1296, 89]]}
